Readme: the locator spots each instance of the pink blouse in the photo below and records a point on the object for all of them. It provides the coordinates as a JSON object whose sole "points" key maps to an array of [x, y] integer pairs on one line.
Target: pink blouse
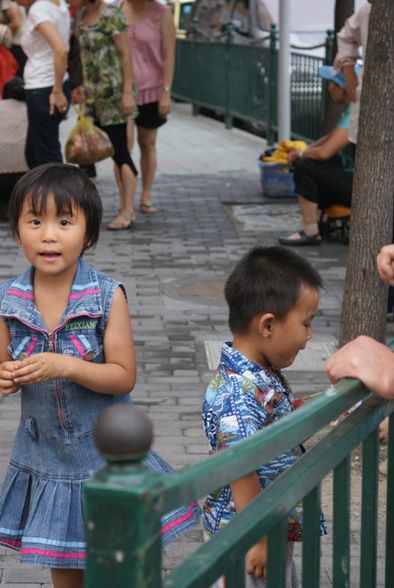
{"points": [[147, 55]]}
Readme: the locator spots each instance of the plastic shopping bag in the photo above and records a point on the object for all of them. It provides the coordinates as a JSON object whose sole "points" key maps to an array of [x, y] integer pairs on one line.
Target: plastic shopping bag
{"points": [[87, 143]]}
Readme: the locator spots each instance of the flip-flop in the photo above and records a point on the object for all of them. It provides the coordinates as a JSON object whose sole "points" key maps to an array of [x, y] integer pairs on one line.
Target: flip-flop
{"points": [[303, 239], [119, 225], [148, 209]]}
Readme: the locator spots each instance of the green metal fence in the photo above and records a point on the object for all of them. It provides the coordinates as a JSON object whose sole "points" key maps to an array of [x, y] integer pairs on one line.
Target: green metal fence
{"points": [[125, 502], [240, 81]]}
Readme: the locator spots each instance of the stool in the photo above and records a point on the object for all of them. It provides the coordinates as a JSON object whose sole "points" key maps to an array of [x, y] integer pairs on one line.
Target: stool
{"points": [[334, 222]]}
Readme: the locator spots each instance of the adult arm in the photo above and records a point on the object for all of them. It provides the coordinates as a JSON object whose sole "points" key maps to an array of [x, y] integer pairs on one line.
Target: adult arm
{"points": [[13, 17], [115, 376], [168, 39], [350, 38], [365, 359], [59, 49], [325, 147], [122, 45]]}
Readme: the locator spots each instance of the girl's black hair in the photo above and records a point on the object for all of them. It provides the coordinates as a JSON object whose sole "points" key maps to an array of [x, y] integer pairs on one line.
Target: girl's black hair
{"points": [[267, 279], [68, 185]]}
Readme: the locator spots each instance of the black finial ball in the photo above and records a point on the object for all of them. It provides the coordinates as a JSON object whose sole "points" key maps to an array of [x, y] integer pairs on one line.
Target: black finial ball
{"points": [[123, 431]]}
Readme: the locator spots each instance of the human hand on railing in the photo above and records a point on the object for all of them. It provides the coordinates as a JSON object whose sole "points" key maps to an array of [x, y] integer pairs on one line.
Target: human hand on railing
{"points": [[365, 359], [385, 264], [256, 559]]}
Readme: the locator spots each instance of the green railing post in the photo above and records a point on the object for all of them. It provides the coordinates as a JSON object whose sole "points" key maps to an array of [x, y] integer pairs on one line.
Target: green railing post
{"points": [[369, 516], [341, 536], [272, 82], [228, 119], [123, 528], [193, 37], [311, 539], [329, 44]]}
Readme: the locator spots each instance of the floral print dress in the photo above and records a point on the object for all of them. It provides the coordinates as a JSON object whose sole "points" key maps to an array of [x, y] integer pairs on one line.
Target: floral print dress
{"points": [[102, 67]]}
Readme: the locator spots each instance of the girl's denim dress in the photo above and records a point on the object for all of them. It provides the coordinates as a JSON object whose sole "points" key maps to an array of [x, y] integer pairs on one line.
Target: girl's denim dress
{"points": [[41, 505]]}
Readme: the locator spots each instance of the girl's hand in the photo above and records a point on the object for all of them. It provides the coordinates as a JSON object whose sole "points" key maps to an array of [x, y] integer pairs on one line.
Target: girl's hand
{"points": [[128, 104], [59, 101], [40, 368], [164, 103], [256, 559], [7, 385]]}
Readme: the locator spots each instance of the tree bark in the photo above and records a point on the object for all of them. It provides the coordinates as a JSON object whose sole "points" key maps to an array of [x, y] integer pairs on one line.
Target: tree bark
{"points": [[333, 112], [371, 227]]}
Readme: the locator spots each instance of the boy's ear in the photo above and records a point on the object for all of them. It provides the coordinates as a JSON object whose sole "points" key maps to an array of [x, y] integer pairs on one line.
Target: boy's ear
{"points": [[265, 324]]}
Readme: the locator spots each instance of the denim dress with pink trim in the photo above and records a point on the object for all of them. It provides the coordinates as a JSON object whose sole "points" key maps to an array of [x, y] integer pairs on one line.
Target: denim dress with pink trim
{"points": [[41, 504]]}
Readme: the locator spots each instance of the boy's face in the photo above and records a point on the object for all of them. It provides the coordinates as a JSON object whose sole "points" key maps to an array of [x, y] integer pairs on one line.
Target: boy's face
{"points": [[291, 334]]}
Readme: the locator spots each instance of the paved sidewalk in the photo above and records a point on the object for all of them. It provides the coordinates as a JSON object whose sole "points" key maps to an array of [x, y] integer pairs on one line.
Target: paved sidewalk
{"points": [[173, 265]]}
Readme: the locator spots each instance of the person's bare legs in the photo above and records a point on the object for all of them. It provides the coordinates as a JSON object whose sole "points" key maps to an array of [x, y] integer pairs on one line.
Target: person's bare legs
{"points": [[67, 578], [126, 182], [309, 213], [147, 143], [130, 144]]}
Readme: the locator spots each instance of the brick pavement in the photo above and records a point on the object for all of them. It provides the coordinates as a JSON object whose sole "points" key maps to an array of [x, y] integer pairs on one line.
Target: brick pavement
{"points": [[173, 265]]}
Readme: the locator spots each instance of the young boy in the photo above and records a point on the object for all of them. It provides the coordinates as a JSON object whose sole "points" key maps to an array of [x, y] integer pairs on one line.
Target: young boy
{"points": [[273, 295]]}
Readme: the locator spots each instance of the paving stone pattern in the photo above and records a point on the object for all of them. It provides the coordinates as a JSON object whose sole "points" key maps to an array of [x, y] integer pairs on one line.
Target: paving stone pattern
{"points": [[173, 265]]}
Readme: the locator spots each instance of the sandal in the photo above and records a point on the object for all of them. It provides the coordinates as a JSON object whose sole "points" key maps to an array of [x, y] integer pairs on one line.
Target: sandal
{"points": [[302, 239], [148, 209], [124, 220]]}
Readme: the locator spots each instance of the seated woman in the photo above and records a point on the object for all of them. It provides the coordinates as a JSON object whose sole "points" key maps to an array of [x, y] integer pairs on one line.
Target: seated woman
{"points": [[323, 173]]}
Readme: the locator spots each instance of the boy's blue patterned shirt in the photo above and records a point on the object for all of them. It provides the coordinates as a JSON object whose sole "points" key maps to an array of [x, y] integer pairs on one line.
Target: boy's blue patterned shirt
{"points": [[241, 399]]}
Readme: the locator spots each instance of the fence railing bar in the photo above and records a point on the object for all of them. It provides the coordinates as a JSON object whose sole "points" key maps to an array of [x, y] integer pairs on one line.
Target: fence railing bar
{"points": [[235, 576], [389, 565], [311, 539], [197, 480], [341, 531], [369, 510], [277, 500], [277, 555], [302, 47]]}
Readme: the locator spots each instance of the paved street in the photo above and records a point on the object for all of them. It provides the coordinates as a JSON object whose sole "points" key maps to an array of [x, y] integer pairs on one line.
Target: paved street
{"points": [[173, 265]]}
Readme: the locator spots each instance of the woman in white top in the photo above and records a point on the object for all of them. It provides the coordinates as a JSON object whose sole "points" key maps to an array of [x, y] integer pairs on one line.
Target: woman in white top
{"points": [[45, 42]]}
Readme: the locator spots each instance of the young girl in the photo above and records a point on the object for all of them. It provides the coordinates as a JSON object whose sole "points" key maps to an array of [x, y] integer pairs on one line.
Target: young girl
{"points": [[66, 340]]}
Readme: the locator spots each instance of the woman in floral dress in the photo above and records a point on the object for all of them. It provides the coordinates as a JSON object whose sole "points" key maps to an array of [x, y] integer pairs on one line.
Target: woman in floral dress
{"points": [[108, 91]]}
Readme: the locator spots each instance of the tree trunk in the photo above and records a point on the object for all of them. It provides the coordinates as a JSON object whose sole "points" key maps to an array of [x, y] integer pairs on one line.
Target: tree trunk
{"points": [[365, 296], [332, 111]]}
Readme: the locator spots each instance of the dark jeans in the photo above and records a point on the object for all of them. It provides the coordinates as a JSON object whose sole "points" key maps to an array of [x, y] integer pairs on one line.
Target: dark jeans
{"points": [[323, 182], [42, 141]]}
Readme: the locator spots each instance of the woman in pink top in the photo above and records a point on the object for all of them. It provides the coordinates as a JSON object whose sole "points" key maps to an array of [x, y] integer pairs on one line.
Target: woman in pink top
{"points": [[151, 34]]}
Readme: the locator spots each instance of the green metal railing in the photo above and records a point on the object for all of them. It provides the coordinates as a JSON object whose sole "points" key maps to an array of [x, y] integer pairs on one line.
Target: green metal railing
{"points": [[240, 81], [125, 502]]}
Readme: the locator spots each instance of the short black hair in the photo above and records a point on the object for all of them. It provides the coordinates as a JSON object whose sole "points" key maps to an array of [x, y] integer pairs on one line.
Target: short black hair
{"points": [[267, 279], [69, 186]]}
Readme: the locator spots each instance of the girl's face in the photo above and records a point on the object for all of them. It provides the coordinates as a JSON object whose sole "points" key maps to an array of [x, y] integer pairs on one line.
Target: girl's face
{"points": [[52, 242]]}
